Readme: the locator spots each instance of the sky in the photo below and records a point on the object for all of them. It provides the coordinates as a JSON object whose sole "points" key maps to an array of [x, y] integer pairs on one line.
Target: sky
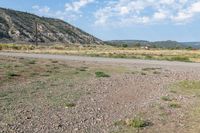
{"points": [[153, 20]]}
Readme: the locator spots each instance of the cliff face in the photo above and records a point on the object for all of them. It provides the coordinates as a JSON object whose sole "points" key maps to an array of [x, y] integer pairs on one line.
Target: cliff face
{"points": [[16, 26]]}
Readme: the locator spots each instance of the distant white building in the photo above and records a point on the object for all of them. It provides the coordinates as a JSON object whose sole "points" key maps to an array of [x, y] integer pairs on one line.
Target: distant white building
{"points": [[145, 47]]}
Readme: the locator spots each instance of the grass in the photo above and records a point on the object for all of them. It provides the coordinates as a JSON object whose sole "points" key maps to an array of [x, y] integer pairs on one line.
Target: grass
{"points": [[82, 69], [179, 58], [138, 122], [174, 105], [101, 74], [182, 55], [132, 125], [3, 94], [54, 61], [166, 98], [70, 105], [189, 88], [143, 73], [186, 87], [150, 69], [156, 72], [31, 62], [11, 74]]}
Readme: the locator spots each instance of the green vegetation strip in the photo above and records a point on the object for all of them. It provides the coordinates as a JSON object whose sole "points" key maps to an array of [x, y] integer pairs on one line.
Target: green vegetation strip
{"points": [[186, 87]]}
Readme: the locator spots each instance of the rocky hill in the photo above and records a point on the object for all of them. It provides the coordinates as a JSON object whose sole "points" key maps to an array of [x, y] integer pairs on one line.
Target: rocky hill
{"points": [[16, 26]]}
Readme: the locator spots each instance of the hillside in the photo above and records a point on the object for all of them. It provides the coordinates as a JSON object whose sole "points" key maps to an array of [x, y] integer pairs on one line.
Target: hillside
{"points": [[16, 26]]}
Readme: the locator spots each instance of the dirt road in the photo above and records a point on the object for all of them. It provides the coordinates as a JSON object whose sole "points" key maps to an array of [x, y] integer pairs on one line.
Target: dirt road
{"points": [[100, 59]]}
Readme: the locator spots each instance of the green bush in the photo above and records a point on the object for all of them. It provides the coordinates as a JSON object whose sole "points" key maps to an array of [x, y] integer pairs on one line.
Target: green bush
{"points": [[138, 122], [174, 105], [70, 105], [101, 74], [11, 74]]}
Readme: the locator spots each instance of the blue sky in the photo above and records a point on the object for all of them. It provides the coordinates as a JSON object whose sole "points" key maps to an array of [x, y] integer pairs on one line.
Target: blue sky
{"points": [[151, 20]]}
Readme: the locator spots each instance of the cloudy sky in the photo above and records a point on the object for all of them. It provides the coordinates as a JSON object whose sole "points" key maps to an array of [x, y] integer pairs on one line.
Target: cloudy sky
{"points": [[122, 19]]}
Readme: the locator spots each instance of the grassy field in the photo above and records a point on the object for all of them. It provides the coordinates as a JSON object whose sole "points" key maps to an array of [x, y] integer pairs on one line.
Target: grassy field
{"points": [[109, 51]]}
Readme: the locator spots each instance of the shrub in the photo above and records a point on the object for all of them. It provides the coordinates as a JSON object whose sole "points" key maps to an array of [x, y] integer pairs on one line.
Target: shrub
{"points": [[101, 74], [174, 105], [11, 74], [138, 122], [54, 61], [31, 62], [125, 45], [70, 105], [156, 72], [143, 73]]}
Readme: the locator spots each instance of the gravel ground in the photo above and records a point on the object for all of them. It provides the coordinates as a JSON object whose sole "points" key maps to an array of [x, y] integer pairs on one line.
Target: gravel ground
{"points": [[119, 97]]}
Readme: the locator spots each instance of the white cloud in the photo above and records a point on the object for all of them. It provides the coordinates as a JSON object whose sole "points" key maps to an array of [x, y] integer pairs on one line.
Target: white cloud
{"points": [[195, 7], [167, 2], [129, 12], [159, 15], [77, 5], [124, 10], [44, 9], [182, 17], [71, 11]]}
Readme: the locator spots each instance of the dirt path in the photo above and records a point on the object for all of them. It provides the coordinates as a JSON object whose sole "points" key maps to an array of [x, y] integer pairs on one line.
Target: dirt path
{"points": [[100, 59]]}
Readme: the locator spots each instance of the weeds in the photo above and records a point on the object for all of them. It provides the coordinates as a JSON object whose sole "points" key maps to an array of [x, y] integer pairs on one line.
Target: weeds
{"points": [[138, 122], [143, 73], [179, 58], [150, 69], [31, 62], [101, 74], [186, 87], [70, 105], [12, 74], [156, 72], [82, 69], [174, 105], [105, 51], [54, 61], [166, 98]]}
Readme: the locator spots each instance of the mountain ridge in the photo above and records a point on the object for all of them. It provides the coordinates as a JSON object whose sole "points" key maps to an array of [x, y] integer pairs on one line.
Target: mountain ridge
{"points": [[159, 44], [18, 26]]}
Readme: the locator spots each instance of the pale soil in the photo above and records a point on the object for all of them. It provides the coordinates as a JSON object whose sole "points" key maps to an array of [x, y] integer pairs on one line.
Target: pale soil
{"points": [[127, 93]]}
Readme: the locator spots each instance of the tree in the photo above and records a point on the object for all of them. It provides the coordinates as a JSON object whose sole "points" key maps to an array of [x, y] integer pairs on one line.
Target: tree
{"points": [[137, 45], [125, 45]]}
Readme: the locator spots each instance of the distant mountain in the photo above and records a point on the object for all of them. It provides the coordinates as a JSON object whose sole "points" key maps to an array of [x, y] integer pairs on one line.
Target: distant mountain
{"points": [[158, 44], [128, 42], [191, 44], [16, 26]]}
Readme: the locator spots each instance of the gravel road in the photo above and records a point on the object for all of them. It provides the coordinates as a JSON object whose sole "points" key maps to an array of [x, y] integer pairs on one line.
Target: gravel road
{"points": [[100, 59]]}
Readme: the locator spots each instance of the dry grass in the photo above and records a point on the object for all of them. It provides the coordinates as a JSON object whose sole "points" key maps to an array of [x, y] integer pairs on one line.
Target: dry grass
{"points": [[109, 51]]}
